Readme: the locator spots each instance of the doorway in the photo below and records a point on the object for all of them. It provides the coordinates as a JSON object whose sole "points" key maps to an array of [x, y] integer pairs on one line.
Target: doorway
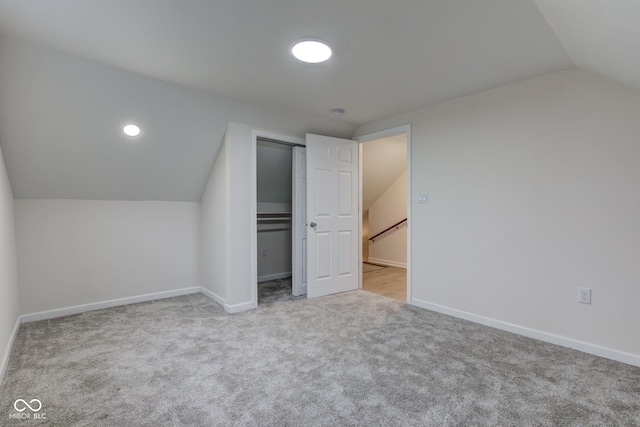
{"points": [[385, 215], [327, 224], [274, 220], [347, 152]]}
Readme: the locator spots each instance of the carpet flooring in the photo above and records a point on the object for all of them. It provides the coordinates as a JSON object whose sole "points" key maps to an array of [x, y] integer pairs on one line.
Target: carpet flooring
{"points": [[278, 290], [342, 360]]}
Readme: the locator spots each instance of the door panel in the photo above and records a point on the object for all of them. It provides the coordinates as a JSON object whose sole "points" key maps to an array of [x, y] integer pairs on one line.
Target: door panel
{"points": [[344, 253], [323, 193], [323, 263], [345, 184], [332, 207]]}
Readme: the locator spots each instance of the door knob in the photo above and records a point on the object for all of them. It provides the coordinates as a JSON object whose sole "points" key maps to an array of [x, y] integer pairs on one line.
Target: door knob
{"points": [[313, 225]]}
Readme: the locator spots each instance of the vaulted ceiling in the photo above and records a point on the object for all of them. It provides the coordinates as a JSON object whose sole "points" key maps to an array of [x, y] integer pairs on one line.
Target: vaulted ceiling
{"points": [[602, 36], [390, 57], [186, 68]]}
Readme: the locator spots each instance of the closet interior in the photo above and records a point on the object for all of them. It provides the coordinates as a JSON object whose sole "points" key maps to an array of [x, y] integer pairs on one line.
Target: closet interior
{"points": [[274, 221]]}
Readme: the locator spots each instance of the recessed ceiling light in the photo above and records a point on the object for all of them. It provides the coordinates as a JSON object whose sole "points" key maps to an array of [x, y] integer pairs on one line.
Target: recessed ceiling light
{"points": [[337, 112], [131, 130], [311, 50]]}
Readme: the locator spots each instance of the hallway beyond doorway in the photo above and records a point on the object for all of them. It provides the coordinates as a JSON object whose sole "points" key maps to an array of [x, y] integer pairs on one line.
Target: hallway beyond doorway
{"points": [[390, 282]]}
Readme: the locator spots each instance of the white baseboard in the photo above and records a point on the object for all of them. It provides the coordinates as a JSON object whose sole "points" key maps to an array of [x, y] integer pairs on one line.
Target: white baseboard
{"points": [[77, 309], [229, 308], [4, 363], [237, 308], [594, 349], [387, 262], [51, 314], [275, 276], [217, 299]]}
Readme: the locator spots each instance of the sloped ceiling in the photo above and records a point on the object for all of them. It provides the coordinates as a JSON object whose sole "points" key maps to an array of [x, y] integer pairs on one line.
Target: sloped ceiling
{"points": [[383, 160], [72, 71], [602, 36], [390, 56], [61, 124]]}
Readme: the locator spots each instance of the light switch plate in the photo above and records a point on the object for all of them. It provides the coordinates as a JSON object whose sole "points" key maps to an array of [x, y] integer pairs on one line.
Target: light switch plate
{"points": [[584, 295]]}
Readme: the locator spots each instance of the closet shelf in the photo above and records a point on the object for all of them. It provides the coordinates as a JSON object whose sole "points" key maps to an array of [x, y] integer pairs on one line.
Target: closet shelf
{"points": [[274, 216], [282, 218]]}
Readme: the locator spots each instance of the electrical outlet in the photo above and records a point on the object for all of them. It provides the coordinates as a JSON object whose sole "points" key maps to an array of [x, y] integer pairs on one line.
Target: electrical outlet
{"points": [[264, 252], [584, 295], [423, 198]]}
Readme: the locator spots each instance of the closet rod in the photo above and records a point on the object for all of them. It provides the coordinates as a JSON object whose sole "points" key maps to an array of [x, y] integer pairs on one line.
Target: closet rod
{"points": [[275, 141]]}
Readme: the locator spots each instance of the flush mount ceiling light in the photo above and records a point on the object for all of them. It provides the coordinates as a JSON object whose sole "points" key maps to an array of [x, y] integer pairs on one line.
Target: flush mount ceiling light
{"points": [[338, 112], [131, 130], [311, 50]]}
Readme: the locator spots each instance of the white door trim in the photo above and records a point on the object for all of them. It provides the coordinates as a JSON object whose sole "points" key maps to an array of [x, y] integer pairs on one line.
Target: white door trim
{"points": [[406, 129], [255, 134], [299, 222]]}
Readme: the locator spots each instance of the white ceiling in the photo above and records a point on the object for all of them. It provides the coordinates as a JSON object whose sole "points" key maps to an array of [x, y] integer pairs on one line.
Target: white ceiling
{"points": [[389, 57], [72, 70], [383, 160], [602, 36], [61, 124]]}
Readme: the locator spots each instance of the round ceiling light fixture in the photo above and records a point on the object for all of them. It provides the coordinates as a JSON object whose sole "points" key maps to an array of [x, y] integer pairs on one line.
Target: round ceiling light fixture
{"points": [[338, 112], [131, 130], [311, 50]]}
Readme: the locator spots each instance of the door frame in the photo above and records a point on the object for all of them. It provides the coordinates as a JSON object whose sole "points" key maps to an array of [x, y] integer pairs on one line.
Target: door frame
{"points": [[298, 224], [255, 134], [404, 129]]}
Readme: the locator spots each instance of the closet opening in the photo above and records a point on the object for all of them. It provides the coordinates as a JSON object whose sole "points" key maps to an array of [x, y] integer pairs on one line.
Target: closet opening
{"points": [[276, 206]]}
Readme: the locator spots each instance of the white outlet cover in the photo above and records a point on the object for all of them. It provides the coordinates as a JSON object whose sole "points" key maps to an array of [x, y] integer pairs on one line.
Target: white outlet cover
{"points": [[584, 295]]}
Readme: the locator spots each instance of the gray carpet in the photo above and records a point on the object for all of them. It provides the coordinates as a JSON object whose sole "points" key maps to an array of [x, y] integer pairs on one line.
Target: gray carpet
{"points": [[349, 359], [276, 291]]}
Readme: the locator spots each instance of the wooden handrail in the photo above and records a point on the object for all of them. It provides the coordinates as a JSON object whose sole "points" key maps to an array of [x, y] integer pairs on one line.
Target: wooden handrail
{"points": [[393, 226]]}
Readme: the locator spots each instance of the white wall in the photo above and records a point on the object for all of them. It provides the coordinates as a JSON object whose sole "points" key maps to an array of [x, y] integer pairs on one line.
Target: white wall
{"points": [[275, 261], [274, 172], [73, 252], [233, 217], [533, 192], [44, 90], [274, 238], [390, 208], [213, 229], [238, 140], [8, 268]]}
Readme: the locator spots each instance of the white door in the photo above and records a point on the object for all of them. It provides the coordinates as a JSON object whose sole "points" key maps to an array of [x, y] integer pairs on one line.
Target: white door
{"points": [[299, 222], [332, 215]]}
